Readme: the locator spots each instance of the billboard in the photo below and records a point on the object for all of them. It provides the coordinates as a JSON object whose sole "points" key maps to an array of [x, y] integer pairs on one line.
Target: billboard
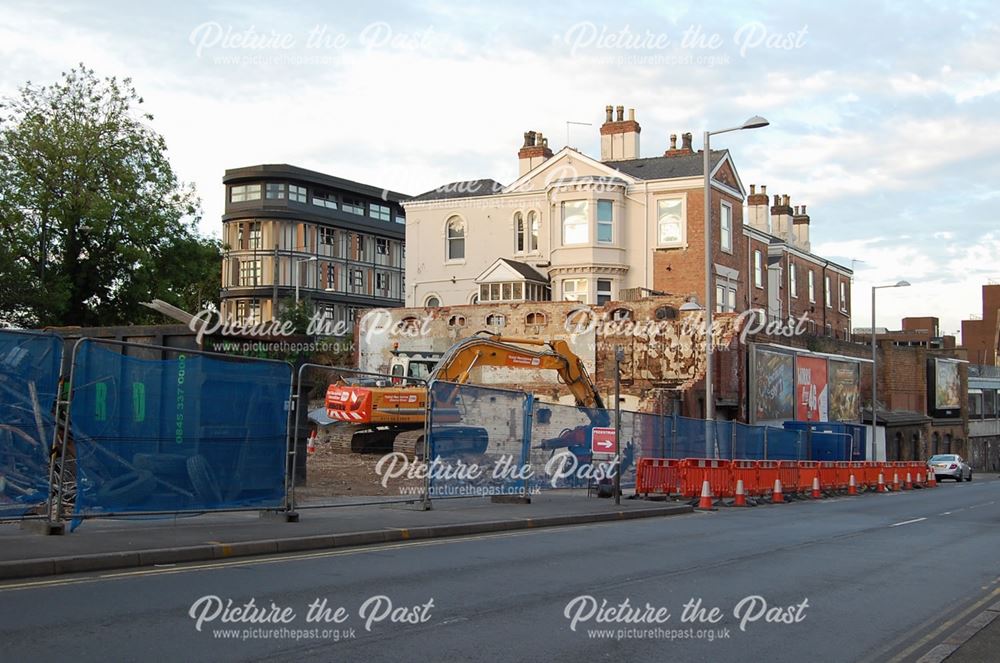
{"points": [[845, 390], [811, 394], [773, 391], [947, 385]]}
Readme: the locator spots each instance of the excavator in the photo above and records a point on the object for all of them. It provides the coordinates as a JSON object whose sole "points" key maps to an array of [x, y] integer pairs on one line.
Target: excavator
{"points": [[377, 419]]}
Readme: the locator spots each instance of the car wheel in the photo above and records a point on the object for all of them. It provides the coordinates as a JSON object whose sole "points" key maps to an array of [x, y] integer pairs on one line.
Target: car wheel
{"points": [[970, 477]]}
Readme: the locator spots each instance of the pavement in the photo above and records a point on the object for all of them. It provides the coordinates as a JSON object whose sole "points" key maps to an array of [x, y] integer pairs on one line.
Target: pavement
{"points": [[868, 578], [100, 544]]}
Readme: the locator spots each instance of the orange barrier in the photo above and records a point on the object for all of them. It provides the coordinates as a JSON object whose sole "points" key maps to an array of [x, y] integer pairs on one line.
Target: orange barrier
{"points": [[658, 476], [767, 472], [788, 472], [746, 470], [807, 471], [857, 468], [843, 474], [827, 473], [871, 471], [694, 471]]}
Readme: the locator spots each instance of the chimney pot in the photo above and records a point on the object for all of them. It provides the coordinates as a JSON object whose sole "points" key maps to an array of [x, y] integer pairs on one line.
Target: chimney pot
{"points": [[785, 200], [620, 111], [608, 110], [803, 209], [763, 189], [796, 210], [686, 141], [631, 114], [673, 141], [753, 189], [777, 200]]}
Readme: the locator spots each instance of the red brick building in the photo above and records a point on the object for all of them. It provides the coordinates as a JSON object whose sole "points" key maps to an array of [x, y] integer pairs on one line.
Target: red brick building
{"points": [[981, 338]]}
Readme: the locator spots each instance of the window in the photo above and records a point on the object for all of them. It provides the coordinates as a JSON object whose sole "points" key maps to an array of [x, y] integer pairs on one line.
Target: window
{"points": [[758, 269], [574, 222], [725, 297], [432, 301], [720, 298], [621, 314], [274, 191], [324, 199], [603, 291], [244, 192], [520, 234], [331, 277], [669, 222], [812, 286], [532, 231], [456, 321], [401, 219], [381, 281], [353, 206], [249, 272], [381, 246], [380, 212], [327, 236], [253, 236], [731, 300], [575, 290], [297, 193], [496, 320], [456, 239], [605, 226], [826, 292], [248, 311], [793, 282], [843, 296], [357, 278], [535, 318], [726, 228]]}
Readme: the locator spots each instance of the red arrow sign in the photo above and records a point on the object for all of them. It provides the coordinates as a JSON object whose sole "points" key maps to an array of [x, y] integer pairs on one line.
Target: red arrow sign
{"points": [[602, 440]]}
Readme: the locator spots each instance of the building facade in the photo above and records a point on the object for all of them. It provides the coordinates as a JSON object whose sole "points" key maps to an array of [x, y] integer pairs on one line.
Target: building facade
{"points": [[573, 227], [981, 337], [291, 232]]}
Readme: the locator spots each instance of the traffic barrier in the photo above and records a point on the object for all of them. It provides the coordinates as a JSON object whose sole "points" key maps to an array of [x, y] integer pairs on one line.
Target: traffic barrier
{"points": [[717, 472], [872, 472], [788, 472], [767, 473], [807, 471], [741, 494], [658, 476], [828, 473], [747, 472]]}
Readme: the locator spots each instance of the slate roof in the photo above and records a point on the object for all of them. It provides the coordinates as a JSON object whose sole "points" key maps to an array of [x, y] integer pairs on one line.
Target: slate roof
{"points": [[662, 168], [526, 270], [463, 189]]}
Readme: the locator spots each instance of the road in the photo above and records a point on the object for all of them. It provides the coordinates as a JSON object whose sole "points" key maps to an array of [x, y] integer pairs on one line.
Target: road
{"points": [[865, 578]]}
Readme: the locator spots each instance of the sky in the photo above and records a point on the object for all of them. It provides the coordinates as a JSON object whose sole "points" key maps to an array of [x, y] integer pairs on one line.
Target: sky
{"points": [[885, 117]]}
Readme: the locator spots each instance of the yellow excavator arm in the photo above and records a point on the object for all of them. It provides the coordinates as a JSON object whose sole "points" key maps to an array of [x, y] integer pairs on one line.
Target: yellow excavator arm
{"points": [[496, 350]]}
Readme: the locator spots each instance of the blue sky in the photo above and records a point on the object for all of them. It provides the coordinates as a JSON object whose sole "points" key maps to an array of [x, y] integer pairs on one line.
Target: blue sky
{"points": [[884, 117]]}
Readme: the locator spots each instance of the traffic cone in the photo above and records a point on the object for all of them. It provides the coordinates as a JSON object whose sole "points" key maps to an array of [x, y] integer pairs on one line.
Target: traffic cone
{"points": [[311, 444], [895, 482], [777, 497], [909, 482], [852, 486], [815, 489], [920, 480], [931, 479], [741, 495], [881, 483], [706, 503]]}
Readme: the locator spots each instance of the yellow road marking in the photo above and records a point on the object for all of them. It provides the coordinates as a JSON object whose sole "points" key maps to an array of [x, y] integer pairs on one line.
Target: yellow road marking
{"points": [[924, 641]]}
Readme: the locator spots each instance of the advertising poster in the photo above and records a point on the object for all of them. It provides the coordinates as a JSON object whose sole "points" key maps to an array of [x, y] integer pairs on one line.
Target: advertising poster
{"points": [[845, 391], [774, 386], [811, 394], [947, 385]]}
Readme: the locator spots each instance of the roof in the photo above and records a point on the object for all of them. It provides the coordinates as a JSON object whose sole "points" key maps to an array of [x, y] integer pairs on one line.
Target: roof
{"points": [[664, 168], [462, 189], [523, 270], [286, 171]]}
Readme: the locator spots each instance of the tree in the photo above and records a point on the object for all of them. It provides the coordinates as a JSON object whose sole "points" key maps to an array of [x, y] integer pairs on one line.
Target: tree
{"points": [[93, 220]]}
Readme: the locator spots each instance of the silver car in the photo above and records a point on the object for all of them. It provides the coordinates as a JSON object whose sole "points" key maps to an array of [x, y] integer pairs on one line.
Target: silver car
{"points": [[949, 466]]}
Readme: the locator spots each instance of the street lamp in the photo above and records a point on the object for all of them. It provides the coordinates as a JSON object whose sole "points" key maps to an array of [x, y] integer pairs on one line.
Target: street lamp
{"points": [[754, 122], [900, 284], [298, 261]]}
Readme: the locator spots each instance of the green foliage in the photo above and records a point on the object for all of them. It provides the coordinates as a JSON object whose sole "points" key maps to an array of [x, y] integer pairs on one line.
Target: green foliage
{"points": [[94, 220], [298, 314]]}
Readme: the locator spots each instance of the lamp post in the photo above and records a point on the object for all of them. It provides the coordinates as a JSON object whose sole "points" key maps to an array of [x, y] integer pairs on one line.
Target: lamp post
{"points": [[900, 284], [754, 122], [299, 261]]}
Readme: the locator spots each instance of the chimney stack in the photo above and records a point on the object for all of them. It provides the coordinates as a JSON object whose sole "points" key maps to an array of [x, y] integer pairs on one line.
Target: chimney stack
{"points": [[685, 148], [800, 228], [758, 215], [619, 137], [781, 218], [534, 151]]}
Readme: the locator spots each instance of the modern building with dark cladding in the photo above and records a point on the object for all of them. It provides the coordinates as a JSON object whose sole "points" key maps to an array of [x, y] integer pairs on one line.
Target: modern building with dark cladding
{"points": [[340, 242]]}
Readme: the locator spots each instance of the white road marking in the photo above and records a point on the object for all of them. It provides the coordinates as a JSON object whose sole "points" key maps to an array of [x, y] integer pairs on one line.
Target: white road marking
{"points": [[907, 522], [946, 513]]}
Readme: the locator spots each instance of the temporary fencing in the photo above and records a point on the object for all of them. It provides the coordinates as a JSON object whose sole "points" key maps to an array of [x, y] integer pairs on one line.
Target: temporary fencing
{"points": [[30, 364], [190, 433]]}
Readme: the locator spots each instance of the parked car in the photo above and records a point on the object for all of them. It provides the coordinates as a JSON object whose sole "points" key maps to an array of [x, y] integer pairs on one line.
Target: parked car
{"points": [[949, 466]]}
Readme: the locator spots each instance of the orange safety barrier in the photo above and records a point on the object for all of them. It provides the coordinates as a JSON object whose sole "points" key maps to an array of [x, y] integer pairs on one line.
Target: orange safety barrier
{"points": [[767, 472], [658, 476], [788, 472], [857, 468], [828, 475], [808, 470], [747, 471], [872, 470], [843, 474], [694, 471]]}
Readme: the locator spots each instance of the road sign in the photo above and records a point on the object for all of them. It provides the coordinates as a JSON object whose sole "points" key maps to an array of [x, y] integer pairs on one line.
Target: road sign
{"points": [[602, 440]]}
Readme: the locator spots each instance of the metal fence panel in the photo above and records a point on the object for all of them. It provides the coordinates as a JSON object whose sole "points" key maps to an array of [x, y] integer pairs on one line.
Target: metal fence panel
{"points": [[29, 381], [191, 433]]}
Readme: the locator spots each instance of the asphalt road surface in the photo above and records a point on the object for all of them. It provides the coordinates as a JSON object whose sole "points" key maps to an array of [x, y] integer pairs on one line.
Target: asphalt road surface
{"points": [[866, 578]]}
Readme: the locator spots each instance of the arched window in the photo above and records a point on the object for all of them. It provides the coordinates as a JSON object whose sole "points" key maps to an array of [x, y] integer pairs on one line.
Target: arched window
{"points": [[432, 301], [532, 231], [456, 239], [519, 233], [621, 314], [496, 320], [535, 318], [456, 321]]}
